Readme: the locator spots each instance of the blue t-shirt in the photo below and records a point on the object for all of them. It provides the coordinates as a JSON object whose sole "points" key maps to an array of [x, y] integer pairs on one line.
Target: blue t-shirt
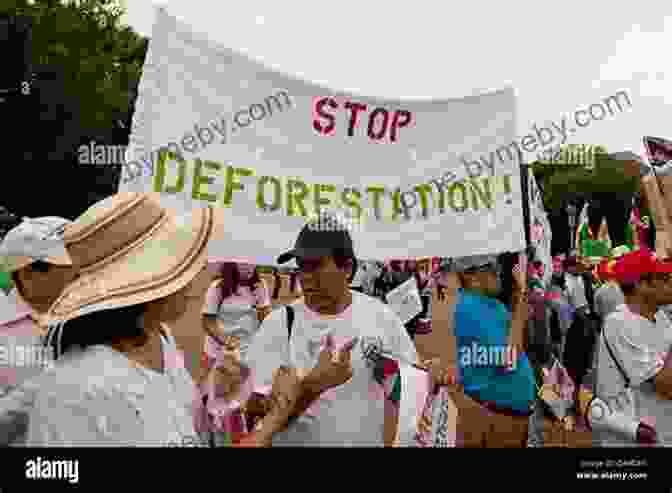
{"points": [[482, 328]]}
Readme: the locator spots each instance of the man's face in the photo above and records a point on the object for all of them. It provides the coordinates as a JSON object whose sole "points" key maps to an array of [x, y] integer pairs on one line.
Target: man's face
{"points": [[245, 271], [659, 289], [424, 268], [324, 283]]}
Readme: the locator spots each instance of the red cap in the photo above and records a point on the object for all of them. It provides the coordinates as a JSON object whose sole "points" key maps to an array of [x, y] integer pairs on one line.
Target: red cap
{"points": [[632, 266], [605, 270]]}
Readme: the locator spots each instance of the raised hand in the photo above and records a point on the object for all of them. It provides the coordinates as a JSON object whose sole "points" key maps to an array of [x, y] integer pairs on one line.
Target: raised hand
{"points": [[442, 374], [285, 393], [333, 368], [520, 274]]}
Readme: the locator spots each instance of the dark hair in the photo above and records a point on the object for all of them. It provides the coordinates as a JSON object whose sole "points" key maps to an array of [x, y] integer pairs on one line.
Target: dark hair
{"points": [[507, 261], [570, 262], [341, 258], [231, 279], [38, 266], [105, 327], [41, 266]]}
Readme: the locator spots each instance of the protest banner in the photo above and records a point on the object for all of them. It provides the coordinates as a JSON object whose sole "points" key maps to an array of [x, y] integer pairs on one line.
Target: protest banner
{"points": [[214, 126], [540, 227], [405, 300]]}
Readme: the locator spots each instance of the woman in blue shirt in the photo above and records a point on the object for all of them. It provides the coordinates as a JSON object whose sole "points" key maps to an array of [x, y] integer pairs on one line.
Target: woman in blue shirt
{"points": [[499, 383]]}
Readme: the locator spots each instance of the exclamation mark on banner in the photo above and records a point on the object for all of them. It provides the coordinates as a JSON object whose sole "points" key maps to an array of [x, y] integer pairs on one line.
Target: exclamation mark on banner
{"points": [[507, 189]]}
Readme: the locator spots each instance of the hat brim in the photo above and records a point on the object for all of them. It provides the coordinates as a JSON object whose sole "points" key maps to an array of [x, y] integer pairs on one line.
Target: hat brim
{"points": [[304, 253], [13, 264], [286, 257], [169, 257]]}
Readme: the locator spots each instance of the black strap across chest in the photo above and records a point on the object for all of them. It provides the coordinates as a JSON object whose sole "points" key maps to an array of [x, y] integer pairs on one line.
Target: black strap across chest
{"points": [[290, 321]]}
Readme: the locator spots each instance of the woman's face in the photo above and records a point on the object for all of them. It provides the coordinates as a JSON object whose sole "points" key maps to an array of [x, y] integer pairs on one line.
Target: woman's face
{"points": [[174, 306], [245, 271], [424, 269]]}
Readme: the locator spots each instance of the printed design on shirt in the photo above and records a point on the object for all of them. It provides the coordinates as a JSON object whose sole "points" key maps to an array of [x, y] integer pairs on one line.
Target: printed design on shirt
{"points": [[385, 371]]}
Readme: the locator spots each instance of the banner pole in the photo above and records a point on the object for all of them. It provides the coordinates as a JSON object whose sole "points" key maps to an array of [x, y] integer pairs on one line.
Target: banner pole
{"points": [[524, 177]]}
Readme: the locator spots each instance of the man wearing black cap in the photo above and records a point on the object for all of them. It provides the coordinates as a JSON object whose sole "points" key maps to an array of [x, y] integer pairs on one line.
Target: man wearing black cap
{"points": [[356, 413]]}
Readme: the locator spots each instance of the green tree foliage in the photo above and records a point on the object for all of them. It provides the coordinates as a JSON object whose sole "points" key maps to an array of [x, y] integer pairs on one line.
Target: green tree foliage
{"points": [[98, 58], [561, 182], [87, 67]]}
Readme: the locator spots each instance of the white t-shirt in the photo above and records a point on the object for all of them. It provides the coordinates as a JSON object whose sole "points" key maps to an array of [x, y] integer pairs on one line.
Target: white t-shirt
{"points": [[607, 299], [576, 292], [349, 415], [97, 398], [640, 346]]}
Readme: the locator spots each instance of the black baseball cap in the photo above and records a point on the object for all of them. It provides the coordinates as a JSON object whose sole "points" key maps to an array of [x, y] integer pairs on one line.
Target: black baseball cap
{"points": [[321, 238]]}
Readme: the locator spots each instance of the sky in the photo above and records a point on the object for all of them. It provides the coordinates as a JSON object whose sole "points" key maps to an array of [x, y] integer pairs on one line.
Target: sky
{"points": [[559, 57]]}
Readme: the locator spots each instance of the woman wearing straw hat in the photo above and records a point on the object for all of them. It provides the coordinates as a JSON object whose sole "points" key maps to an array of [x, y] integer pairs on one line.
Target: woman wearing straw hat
{"points": [[119, 378]]}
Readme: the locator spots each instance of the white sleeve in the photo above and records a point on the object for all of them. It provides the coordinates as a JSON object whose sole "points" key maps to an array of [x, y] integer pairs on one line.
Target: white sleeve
{"points": [[395, 337], [269, 348], [94, 420], [639, 361], [578, 293]]}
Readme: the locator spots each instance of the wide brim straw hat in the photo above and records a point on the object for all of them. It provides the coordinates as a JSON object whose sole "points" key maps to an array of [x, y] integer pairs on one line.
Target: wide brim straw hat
{"points": [[130, 250]]}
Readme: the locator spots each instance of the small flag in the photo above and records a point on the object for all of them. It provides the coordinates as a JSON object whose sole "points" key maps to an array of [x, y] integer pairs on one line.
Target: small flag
{"points": [[659, 150]]}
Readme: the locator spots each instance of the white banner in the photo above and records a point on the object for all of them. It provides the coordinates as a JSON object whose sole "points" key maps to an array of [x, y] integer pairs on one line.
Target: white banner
{"points": [[415, 390], [405, 300], [273, 149], [540, 227]]}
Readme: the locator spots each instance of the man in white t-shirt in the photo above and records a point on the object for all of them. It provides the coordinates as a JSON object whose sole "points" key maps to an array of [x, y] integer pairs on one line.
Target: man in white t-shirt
{"points": [[354, 413], [634, 370]]}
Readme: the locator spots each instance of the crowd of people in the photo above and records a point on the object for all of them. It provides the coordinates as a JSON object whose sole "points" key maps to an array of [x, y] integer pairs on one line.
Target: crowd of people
{"points": [[524, 355]]}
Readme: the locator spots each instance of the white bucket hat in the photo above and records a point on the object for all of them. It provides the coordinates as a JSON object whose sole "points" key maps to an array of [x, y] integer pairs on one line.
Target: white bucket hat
{"points": [[35, 239]]}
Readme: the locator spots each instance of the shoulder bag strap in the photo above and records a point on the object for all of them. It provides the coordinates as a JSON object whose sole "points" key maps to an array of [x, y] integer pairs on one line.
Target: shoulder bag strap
{"points": [[290, 321]]}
